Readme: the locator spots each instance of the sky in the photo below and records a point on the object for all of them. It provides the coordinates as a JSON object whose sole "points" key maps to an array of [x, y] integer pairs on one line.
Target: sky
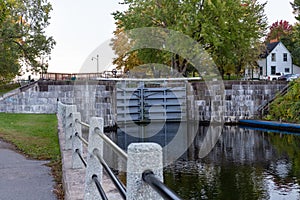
{"points": [[82, 30]]}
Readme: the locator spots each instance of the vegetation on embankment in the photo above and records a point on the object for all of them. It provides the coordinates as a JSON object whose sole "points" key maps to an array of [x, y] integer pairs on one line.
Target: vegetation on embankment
{"points": [[287, 108], [35, 135], [8, 87]]}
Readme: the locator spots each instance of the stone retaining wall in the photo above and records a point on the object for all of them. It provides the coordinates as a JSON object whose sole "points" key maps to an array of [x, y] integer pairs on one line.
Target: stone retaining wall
{"points": [[92, 98], [239, 100]]}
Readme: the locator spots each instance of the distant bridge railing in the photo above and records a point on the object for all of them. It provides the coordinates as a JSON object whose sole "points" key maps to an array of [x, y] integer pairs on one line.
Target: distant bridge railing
{"points": [[144, 160], [82, 76]]}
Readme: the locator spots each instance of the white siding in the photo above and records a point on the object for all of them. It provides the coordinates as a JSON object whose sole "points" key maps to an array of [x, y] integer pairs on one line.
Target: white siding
{"points": [[262, 63], [296, 69], [281, 65]]}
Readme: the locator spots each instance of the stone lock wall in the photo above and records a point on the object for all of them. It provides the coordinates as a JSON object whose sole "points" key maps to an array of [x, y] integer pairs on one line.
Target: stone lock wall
{"points": [[236, 100], [91, 98]]}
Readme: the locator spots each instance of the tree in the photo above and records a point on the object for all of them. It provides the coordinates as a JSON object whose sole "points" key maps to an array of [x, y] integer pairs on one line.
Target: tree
{"points": [[279, 30], [296, 7], [232, 33], [121, 46], [22, 36], [228, 30], [296, 33]]}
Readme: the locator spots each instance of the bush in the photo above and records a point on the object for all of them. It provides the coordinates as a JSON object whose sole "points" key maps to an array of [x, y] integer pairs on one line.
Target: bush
{"points": [[287, 107]]}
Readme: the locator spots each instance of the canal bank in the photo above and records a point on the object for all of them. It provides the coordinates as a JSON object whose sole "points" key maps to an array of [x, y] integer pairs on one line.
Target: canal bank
{"points": [[271, 125]]}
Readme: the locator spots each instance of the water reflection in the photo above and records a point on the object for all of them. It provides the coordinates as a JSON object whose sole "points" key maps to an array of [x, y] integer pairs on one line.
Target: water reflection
{"points": [[227, 162], [244, 164]]}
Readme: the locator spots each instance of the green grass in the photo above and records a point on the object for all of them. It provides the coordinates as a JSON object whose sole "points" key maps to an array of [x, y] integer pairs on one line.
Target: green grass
{"points": [[36, 136], [33, 134]]}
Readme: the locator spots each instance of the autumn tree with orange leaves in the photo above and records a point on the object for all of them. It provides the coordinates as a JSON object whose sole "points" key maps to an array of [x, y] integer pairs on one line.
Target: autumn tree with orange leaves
{"points": [[278, 30]]}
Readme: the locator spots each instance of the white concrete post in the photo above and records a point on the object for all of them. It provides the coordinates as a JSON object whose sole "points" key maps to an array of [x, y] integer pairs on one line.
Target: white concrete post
{"points": [[76, 142], [62, 114], [59, 110], [94, 167], [141, 157], [70, 109]]}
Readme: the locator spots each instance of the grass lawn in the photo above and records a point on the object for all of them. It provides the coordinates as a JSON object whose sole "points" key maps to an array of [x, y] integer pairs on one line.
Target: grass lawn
{"points": [[35, 135]]}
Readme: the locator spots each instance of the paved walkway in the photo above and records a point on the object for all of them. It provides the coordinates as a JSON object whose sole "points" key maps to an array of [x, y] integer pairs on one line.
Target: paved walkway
{"points": [[22, 178]]}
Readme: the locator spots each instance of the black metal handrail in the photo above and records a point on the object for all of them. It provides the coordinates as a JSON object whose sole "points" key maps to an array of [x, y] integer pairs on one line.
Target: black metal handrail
{"points": [[99, 187], [119, 185], [81, 158], [149, 177]]}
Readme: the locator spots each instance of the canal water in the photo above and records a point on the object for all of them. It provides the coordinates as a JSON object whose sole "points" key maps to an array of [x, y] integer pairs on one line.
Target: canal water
{"points": [[240, 163]]}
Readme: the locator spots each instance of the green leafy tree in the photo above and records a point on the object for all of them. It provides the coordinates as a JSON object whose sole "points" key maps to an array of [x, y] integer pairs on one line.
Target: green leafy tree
{"points": [[296, 33], [228, 30], [296, 7], [23, 41], [232, 32]]}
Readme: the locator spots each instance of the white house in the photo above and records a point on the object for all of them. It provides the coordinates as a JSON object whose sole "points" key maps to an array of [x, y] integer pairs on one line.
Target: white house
{"points": [[275, 59], [296, 69]]}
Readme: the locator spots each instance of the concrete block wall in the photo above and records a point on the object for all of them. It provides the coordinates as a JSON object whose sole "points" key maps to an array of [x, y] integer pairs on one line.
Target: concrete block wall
{"points": [[239, 100], [91, 98]]}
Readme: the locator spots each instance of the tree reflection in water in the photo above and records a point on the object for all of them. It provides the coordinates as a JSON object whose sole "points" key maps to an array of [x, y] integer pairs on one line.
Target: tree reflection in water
{"points": [[244, 164]]}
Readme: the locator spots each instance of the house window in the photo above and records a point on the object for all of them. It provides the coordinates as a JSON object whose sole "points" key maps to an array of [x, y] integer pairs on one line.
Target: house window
{"points": [[273, 70], [273, 57], [261, 70], [285, 57], [287, 70]]}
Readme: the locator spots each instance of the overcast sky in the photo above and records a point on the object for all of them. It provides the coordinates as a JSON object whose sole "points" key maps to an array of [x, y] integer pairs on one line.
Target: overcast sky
{"points": [[79, 27]]}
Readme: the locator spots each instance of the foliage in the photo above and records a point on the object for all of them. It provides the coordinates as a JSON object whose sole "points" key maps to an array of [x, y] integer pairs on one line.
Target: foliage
{"points": [[121, 46], [287, 107], [295, 47], [288, 144], [288, 35], [228, 30], [279, 30], [296, 8], [292, 43], [8, 87], [22, 36]]}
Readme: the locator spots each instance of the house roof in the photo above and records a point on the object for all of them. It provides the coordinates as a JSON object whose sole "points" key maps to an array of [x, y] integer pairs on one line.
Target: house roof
{"points": [[269, 49]]}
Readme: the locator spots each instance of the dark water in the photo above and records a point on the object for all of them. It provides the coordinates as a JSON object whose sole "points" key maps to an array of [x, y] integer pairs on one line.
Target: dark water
{"points": [[240, 164], [244, 164]]}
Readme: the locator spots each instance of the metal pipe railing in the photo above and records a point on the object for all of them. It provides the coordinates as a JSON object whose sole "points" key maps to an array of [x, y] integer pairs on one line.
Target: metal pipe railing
{"points": [[82, 139], [119, 185], [82, 123], [81, 158], [137, 157], [149, 177], [99, 187], [113, 145]]}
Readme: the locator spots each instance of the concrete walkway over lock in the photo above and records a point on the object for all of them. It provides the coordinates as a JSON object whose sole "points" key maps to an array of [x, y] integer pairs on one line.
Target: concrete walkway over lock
{"points": [[22, 178]]}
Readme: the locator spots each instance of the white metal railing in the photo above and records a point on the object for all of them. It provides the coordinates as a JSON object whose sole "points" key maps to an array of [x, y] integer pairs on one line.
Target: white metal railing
{"points": [[144, 160]]}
